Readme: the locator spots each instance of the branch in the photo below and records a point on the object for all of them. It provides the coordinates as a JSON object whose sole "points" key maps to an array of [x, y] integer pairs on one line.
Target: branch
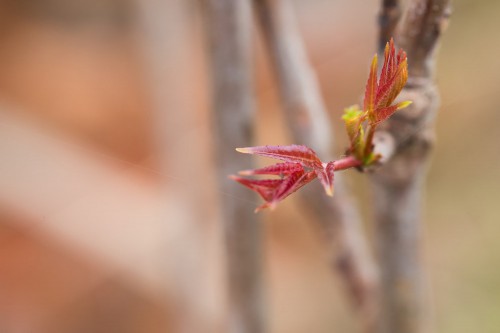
{"points": [[388, 19], [423, 24], [229, 29], [307, 118], [398, 185]]}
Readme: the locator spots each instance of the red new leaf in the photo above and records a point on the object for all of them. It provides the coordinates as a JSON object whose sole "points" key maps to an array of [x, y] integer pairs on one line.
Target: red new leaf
{"points": [[264, 187], [275, 169], [325, 175], [371, 87], [294, 175], [287, 186], [293, 153], [393, 76], [384, 113], [301, 164], [293, 172]]}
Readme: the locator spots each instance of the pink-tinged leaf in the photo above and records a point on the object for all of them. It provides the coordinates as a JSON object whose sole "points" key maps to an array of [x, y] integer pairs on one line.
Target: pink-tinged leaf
{"points": [[292, 183], [390, 63], [387, 59], [326, 177], [392, 59], [401, 56], [384, 113], [391, 89], [288, 185], [275, 169], [371, 87], [266, 188], [293, 154], [393, 76]]}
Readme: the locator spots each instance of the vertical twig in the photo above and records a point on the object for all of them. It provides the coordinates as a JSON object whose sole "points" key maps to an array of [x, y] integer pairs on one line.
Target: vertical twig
{"points": [[229, 26], [307, 118], [398, 185]]}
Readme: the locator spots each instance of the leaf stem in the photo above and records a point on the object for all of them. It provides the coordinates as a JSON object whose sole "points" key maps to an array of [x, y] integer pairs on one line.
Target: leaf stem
{"points": [[369, 141], [347, 163]]}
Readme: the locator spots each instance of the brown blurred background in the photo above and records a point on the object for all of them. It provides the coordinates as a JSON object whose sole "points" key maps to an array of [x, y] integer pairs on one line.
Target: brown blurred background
{"points": [[108, 220]]}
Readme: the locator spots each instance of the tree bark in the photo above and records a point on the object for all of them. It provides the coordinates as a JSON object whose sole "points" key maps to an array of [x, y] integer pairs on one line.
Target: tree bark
{"points": [[307, 118], [388, 19], [229, 28], [398, 186]]}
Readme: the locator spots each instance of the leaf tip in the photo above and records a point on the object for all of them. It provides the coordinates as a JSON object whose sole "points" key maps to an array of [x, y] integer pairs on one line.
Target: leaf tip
{"points": [[245, 150], [329, 191], [404, 104], [271, 205], [374, 62]]}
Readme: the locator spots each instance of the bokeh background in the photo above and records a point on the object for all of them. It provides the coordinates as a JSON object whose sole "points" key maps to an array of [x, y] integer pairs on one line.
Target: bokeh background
{"points": [[108, 203]]}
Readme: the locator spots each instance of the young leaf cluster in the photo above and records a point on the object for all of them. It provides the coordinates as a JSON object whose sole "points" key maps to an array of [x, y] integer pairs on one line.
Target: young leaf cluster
{"points": [[380, 94], [300, 164]]}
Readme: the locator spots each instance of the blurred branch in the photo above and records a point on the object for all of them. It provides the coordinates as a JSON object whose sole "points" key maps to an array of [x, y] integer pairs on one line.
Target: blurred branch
{"points": [[307, 118], [305, 111], [398, 185], [423, 24], [388, 19], [229, 28]]}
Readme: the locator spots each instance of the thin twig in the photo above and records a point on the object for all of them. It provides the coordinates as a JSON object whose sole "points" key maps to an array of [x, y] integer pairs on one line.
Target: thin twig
{"points": [[229, 29], [307, 118], [398, 185]]}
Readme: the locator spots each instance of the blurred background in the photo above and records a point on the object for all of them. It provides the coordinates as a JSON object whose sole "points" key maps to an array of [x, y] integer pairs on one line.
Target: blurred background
{"points": [[108, 203]]}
